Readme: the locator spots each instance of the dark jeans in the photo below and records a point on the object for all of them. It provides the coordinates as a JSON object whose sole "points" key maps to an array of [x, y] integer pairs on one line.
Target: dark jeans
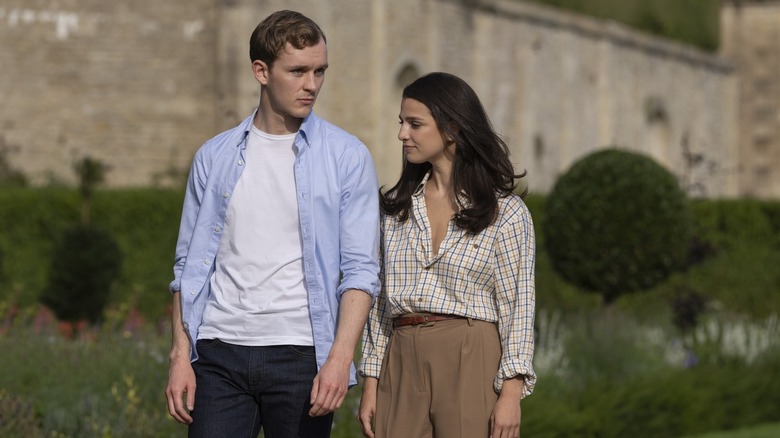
{"points": [[241, 389]]}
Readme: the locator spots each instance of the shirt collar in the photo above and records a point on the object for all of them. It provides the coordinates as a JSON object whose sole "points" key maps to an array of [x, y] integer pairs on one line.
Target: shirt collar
{"points": [[420, 187], [463, 200], [308, 126]]}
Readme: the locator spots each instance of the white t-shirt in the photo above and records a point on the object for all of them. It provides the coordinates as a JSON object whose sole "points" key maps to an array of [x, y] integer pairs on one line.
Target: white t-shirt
{"points": [[258, 294]]}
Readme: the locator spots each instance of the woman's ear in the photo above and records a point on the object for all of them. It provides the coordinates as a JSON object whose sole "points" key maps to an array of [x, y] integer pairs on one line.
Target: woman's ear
{"points": [[452, 132]]}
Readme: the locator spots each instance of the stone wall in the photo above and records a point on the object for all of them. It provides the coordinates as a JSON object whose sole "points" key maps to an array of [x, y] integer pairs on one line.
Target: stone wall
{"points": [[143, 87], [129, 83], [750, 36]]}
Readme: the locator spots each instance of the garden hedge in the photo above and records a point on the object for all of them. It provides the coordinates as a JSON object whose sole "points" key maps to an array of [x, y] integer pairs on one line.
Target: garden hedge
{"points": [[741, 271]]}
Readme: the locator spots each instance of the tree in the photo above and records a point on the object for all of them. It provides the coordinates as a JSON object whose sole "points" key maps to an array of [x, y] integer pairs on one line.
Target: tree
{"points": [[85, 262], [617, 222]]}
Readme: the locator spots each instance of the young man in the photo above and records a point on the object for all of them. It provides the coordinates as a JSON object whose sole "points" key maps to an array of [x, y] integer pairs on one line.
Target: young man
{"points": [[276, 259]]}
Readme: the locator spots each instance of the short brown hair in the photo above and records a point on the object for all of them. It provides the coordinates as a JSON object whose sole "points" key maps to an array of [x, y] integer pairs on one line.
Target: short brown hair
{"points": [[280, 28]]}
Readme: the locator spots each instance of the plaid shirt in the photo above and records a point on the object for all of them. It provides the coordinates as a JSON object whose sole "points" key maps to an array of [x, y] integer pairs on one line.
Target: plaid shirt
{"points": [[487, 276]]}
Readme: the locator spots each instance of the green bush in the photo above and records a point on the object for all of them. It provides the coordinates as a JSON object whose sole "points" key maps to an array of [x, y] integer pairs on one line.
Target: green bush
{"points": [[658, 399], [739, 274], [690, 21], [143, 221], [723, 223], [85, 264], [616, 222]]}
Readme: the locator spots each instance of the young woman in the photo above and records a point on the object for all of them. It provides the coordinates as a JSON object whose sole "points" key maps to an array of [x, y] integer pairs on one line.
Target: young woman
{"points": [[448, 348]]}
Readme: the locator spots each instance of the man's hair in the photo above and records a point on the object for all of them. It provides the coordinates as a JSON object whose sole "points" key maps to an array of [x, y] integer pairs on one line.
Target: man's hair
{"points": [[280, 28]]}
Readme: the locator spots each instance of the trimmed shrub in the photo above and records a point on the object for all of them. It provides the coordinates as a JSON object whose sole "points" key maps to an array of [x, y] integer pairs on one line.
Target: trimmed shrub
{"points": [[84, 265], [616, 222]]}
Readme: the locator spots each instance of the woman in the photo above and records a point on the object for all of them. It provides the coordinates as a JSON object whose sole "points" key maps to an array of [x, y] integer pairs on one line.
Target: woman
{"points": [[448, 347]]}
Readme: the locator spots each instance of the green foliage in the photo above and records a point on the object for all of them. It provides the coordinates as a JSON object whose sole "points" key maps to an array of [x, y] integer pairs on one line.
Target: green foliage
{"points": [[111, 386], [694, 22], [85, 264], [612, 379], [771, 430], [616, 222], [553, 292], [17, 417], [143, 221], [605, 387], [8, 175], [723, 223], [90, 173]]}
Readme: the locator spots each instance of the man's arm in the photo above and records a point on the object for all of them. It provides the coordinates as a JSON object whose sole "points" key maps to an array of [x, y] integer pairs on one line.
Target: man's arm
{"points": [[332, 381], [181, 377]]}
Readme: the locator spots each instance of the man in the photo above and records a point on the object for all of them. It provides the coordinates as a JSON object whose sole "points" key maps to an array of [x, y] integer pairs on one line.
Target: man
{"points": [[276, 258]]}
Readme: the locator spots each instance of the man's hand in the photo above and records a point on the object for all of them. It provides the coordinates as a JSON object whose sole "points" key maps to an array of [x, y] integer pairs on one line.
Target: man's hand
{"points": [[181, 377], [181, 385], [330, 387], [331, 384], [367, 408]]}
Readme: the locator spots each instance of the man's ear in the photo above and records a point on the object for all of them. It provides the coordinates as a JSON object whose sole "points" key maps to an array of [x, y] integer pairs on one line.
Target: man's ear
{"points": [[261, 71]]}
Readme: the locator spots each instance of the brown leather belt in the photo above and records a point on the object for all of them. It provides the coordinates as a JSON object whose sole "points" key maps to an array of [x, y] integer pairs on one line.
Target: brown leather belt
{"points": [[402, 321]]}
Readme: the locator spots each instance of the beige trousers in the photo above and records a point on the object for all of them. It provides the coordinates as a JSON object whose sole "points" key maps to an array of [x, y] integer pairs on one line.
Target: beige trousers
{"points": [[437, 381]]}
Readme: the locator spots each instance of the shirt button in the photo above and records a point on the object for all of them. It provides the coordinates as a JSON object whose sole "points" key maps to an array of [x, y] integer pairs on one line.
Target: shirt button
{"points": [[240, 162], [205, 261], [419, 299], [225, 195], [427, 268], [217, 229], [192, 292]]}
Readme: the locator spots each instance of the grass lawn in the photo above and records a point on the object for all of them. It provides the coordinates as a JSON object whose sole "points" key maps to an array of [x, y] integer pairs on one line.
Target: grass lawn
{"points": [[771, 430]]}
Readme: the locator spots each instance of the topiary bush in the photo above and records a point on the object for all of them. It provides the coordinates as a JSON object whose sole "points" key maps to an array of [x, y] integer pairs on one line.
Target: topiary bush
{"points": [[616, 222], [85, 263]]}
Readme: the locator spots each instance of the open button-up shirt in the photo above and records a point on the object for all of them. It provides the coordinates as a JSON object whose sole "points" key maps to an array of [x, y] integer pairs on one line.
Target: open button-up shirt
{"points": [[338, 211], [487, 276]]}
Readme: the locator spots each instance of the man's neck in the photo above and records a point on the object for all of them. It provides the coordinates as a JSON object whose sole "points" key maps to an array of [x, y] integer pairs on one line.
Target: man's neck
{"points": [[276, 124]]}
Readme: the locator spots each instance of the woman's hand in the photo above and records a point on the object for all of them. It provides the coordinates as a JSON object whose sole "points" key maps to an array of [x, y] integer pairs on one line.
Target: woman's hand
{"points": [[368, 406], [505, 419]]}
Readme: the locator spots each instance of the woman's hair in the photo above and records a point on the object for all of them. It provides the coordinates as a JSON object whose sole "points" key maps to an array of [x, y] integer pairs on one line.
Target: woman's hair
{"points": [[481, 170], [280, 28]]}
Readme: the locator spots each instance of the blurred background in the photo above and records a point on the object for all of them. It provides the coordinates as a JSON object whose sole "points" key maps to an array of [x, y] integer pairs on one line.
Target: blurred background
{"points": [[657, 308]]}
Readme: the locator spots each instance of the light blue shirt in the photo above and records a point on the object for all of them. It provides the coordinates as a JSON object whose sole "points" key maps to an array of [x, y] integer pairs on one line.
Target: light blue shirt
{"points": [[338, 210]]}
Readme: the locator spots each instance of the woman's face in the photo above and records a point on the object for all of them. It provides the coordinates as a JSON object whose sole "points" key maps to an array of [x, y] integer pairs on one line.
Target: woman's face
{"points": [[420, 135]]}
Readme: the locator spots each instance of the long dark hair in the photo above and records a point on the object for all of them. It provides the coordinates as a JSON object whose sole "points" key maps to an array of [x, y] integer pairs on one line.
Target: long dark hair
{"points": [[481, 168]]}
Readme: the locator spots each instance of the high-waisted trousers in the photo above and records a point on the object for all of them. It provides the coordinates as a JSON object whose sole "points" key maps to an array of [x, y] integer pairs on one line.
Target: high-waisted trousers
{"points": [[437, 381]]}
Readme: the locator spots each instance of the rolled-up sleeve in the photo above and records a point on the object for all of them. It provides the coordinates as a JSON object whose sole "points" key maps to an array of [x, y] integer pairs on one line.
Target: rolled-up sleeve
{"points": [[359, 223], [515, 296], [193, 196]]}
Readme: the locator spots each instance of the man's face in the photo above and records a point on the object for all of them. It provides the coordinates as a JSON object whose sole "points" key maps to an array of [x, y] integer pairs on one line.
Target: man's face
{"points": [[293, 82]]}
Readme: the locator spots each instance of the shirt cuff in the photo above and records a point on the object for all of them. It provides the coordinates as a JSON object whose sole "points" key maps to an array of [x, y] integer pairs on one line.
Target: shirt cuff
{"points": [[370, 367], [525, 370]]}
